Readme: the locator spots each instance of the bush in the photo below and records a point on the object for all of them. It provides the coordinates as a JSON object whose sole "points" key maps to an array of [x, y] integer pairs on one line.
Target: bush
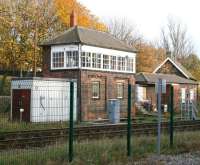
{"points": [[4, 104], [5, 84]]}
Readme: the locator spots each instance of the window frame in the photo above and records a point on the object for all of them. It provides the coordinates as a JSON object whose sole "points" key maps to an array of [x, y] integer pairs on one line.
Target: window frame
{"points": [[74, 57], [96, 60], [91, 58], [83, 59], [113, 63], [121, 63], [122, 92], [98, 93], [106, 62], [52, 59], [183, 95], [130, 66]]}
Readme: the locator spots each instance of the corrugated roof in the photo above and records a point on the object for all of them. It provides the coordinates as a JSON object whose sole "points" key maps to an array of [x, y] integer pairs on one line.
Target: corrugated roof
{"points": [[152, 78], [91, 37]]}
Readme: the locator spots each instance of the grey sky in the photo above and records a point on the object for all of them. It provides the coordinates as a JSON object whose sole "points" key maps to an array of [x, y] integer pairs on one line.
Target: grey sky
{"points": [[151, 15]]}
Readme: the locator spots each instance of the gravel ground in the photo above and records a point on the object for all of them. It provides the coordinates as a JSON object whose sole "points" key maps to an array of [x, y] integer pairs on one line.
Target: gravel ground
{"points": [[182, 159]]}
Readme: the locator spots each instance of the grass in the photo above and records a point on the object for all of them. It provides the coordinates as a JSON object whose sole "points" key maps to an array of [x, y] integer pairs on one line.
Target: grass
{"points": [[8, 126], [152, 117], [102, 152]]}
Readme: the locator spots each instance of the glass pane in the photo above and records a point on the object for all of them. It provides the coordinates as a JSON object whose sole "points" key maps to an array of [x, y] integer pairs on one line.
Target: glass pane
{"points": [[88, 59], [95, 89], [83, 59], [72, 59], [119, 90], [130, 64], [58, 59], [105, 61], [113, 62]]}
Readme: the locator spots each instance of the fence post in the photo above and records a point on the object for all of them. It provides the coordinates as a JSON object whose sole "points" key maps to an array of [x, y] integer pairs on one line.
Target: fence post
{"points": [[71, 122], [171, 116], [159, 113], [129, 122]]}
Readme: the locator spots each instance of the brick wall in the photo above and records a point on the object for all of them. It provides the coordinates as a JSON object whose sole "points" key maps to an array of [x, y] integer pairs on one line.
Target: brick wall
{"points": [[169, 68], [97, 108], [88, 107], [151, 95]]}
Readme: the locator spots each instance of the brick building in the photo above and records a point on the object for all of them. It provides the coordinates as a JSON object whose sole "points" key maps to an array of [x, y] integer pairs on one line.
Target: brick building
{"points": [[185, 85], [102, 65]]}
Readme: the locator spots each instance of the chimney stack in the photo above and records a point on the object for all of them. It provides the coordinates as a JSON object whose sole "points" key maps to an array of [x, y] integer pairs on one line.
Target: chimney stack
{"points": [[73, 19]]}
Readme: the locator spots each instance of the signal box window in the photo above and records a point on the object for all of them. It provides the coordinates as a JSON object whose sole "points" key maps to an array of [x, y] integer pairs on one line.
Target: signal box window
{"points": [[120, 90], [96, 90]]}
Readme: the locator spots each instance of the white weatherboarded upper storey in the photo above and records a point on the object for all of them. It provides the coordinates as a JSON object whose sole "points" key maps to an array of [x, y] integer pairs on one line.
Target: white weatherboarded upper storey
{"points": [[92, 58]]}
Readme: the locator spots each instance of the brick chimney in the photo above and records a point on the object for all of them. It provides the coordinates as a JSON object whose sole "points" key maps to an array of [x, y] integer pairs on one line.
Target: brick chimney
{"points": [[73, 19]]}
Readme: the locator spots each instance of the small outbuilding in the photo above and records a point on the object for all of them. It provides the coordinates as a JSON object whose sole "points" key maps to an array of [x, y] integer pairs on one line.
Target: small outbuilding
{"points": [[42, 99], [185, 85]]}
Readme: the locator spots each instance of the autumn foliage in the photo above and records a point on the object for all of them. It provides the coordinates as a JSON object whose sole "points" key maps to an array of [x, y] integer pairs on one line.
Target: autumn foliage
{"points": [[84, 18], [26, 23], [149, 57]]}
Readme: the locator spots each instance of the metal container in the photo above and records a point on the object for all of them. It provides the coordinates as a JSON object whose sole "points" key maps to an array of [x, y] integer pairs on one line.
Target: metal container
{"points": [[114, 110]]}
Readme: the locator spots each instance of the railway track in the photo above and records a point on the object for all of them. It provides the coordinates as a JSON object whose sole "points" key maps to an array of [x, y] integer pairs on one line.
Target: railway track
{"points": [[39, 138]]}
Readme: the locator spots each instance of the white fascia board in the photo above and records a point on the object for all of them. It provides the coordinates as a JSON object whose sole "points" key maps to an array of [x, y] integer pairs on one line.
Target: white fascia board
{"points": [[86, 48], [161, 65], [64, 48], [173, 64]]}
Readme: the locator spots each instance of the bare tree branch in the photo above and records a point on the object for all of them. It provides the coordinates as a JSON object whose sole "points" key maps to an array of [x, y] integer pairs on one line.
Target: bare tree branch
{"points": [[121, 29], [174, 38]]}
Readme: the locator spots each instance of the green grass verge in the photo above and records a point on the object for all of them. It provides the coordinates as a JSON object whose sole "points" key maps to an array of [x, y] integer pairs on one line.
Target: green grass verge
{"points": [[102, 152], [8, 126]]}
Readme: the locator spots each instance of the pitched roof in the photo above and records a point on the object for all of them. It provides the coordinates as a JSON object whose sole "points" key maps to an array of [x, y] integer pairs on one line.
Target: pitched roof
{"points": [[90, 37], [152, 78], [180, 67]]}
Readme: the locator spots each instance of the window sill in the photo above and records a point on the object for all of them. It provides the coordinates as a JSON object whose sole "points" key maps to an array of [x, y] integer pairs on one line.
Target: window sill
{"points": [[120, 98], [95, 98]]}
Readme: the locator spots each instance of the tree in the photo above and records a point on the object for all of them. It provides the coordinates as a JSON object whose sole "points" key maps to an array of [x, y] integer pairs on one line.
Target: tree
{"points": [[25, 23], [192, 64], [175, 38], [149, 57], [64, 9], [124, 31]]}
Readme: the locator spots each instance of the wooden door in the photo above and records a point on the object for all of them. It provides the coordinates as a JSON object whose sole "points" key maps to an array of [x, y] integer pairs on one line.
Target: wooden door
{"points": [[21, 99], [166, 96]]}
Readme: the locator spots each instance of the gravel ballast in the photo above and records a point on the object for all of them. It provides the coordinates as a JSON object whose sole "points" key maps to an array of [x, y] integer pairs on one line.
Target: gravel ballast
{"points": [[181, 159]]}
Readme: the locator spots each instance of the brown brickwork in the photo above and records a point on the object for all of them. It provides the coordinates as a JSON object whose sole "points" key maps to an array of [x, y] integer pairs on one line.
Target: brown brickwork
{"points": [[88, 107], [151, 95], [169, 68], [97, 108]]}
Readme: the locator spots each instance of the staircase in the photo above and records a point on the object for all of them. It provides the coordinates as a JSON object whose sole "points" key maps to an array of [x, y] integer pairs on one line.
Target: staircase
{"points": [[189, 111]]}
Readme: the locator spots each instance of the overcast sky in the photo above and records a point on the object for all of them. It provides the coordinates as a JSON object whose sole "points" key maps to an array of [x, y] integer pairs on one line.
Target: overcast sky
{"points": [[151, 15]]}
